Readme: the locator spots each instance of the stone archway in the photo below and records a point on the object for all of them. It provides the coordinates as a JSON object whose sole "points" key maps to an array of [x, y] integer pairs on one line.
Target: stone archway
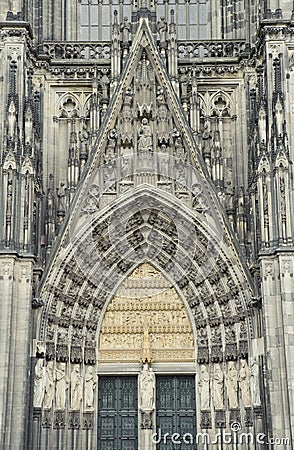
{"points": [[210, 280]]}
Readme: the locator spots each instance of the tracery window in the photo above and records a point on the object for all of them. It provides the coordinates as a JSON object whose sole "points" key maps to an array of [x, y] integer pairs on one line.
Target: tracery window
{"points": [[97, 17]]}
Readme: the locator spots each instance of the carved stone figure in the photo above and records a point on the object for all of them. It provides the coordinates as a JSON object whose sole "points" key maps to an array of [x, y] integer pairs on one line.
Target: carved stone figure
{"points": [[162, 117], [76, 386], [204, 383], [217, 387], [179, 149], [11, 120], [61, 193], [164, 162], [254, 382], [125, 29], [62, 382], [49, 386], [147, 389], [84, 136], [162, 29], [9, 197], [232, 385], [90, 384], [39, 380], [244, 379], [145, 137]]}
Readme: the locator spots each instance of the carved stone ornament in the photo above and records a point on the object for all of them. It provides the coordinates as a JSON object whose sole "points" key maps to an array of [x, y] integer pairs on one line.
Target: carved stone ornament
{"points": [[59, 419], [88, 420], [74, 421], [206, 422]]}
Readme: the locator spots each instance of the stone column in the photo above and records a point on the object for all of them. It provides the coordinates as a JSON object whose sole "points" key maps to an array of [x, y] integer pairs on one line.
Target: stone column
{"points": [[15, 285], [278, 300]]}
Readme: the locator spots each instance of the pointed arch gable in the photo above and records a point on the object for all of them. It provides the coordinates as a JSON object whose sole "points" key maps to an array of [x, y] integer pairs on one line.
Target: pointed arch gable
{"points": [[183, 232], [215, 288]]}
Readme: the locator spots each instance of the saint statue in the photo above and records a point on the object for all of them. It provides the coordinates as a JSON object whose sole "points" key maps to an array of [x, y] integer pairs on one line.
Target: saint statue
{"points": [[76, 386], [39, 381], [217, 387], [125, 29], [90, 384], [232, 385], [244, 383], [62, 382], [145, 136], [147, 389], [162, 30], [204, 388], [49, 386], [254, 382]]}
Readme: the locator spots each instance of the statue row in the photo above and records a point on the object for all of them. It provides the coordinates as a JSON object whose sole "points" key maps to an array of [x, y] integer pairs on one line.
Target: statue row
{"points": [[236, 384], [52, 383], [129, 340]]}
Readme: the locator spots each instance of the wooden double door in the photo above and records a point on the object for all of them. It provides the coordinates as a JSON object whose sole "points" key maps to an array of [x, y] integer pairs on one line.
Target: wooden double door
{"points": [[118, 412]]}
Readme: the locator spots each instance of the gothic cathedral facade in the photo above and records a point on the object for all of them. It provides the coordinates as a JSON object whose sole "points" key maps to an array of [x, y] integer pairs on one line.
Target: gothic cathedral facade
{"points": [[146, 239]]}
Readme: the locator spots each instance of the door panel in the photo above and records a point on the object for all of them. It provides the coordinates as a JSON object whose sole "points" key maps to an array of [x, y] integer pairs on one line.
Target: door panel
{"points": [[117, 413], [175, 410]]}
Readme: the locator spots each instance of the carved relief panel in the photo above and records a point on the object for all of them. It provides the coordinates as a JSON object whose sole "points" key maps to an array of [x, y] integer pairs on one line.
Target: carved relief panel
{"points": [[146, 320]]}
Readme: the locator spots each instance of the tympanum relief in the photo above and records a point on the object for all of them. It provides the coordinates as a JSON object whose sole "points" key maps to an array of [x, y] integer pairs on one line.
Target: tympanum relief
{"points": [[157, 314]]}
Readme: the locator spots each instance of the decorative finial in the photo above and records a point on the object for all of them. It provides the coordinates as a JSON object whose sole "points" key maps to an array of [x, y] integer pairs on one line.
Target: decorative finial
{"points": [[146, 348]]}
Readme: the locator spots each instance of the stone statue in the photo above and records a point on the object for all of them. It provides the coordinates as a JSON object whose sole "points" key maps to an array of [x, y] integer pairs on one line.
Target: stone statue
{"points": [[9, 197], [84, 136], [204, 388], [217, 387], [145, 137], [62, 383], [76, 386], [61, 193], [11, 120], [162, 30], [232, 385], [162, 116], [39, 381], [254, 382], [179, 150], [125, 29], [49, 386], [244, 379], [90, 384], [147, 389]]}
